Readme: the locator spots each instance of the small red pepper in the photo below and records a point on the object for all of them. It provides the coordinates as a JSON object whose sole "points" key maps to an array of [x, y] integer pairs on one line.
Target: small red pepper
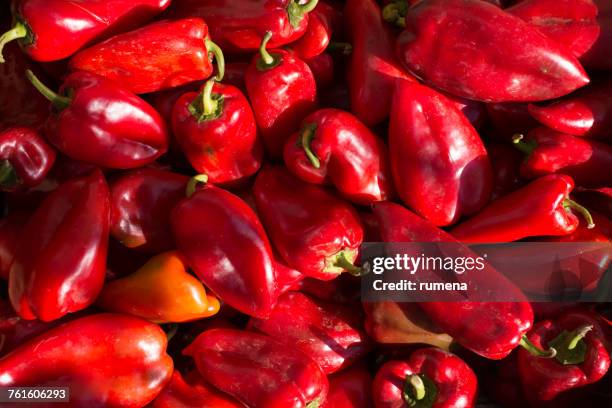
{"points": [[430, 378], [314, 231], [25, 158], [318, 33], [334, 146], [350, 389], [10, 228], [506, 163], [98, 122], [258, 370], [161, 55]]}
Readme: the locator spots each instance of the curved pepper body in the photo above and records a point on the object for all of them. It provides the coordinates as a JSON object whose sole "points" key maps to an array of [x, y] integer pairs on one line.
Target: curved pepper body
{"points": [[318, 34]]}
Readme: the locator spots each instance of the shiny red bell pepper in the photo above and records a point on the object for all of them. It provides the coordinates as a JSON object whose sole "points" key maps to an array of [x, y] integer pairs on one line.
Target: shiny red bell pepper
{"points": [[161, 55], [282, 91], [61, 253], [216, 130], [258, 370], [25, 158], [314, 231], [440, 166], [541, 208], [316, 38], [503, 58], [506, 164], [224, 243], [98, 122], [430, 378], [10, 228], [107, 360], [334, 147], [350, 389]]}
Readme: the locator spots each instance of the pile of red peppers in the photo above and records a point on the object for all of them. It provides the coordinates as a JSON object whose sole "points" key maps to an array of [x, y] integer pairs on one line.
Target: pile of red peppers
{"points": [[185, 186]]}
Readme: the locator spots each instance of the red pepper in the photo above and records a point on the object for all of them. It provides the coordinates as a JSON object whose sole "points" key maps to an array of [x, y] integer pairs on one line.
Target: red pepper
{"points": [[318, 33], [331, 334], [314, 231], [506, 163], [350, 389], [224, 243], [430, 378], [10, 228], [51, 30], [334, 146], [61, 253], [25, 158], [502, 58], [98, 122], [287, 278], [107, 360], [161, 55], [548, 151], [439, 164], [282, 92], [216, 130], [258, 370], [322, 68], [540, 208]]}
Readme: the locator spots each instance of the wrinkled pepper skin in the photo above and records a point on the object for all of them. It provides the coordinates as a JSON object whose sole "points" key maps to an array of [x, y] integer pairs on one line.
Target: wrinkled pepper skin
{"points": [[162, 55], [315, 232], [52, 30], [506, 59], [61, 253], [10, 228], [218, 135], [451, 381], [107, 360], [25, 158], [224, 243], [141, 201], [346, 154], [257, 370], [350, 389], [440, 166]]}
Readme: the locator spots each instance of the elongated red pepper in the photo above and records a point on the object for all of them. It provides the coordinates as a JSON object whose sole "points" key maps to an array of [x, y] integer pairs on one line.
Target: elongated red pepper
{"points": [[257, 369], [10, 228], [98, 122], [430, 377], [51, 30], [334, 146], [162, 55], [314, 232], [440, 166], [224, 243], [282, 92], [506, 164], [503, 58], [61, 253], [107, 360], [25, 158], [216, 130], [350, 389], [540, 208]]}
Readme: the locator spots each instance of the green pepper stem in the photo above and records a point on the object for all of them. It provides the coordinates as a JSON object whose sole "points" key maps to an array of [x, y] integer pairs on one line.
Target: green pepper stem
{"points": [[571, 204], [192, 184], [308, 6], [520, 144], [15, 33], [308, 133], [417, 385], [342, 262], [267, 59], [392, 13], [60, 102], [218, 53], [8, 177], [208, 103], [535, 350], [578, 335]]}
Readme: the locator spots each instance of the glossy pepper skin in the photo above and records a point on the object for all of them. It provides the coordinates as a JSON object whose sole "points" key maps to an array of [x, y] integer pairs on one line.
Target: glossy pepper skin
{"points": [[10, 228], [430, 376], [82, 354], [99, 122], [224, 243], [440, 166], [217, 132], [161, 55], [321, 23], [350, 388], [334, 147], [257, 370], [314, 231], [25, 158], [61, 253], [505, 60], [282, 91]]}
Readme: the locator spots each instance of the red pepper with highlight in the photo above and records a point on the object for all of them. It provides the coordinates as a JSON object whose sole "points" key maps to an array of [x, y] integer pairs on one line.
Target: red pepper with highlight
{"points": [[321, 22]]}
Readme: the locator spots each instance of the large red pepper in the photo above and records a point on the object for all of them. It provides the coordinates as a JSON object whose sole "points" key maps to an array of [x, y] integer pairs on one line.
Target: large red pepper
{"points": [[334, 146], [61, 253], [98, 122], [25, 158], [224, 243], [439, 164], [10, 228], [430, 378], [162, 55], [502, 58], [314, 231], [216, 130], [50, 30], [106, 360], [350, 389], [258, 370], [282, 91]]}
